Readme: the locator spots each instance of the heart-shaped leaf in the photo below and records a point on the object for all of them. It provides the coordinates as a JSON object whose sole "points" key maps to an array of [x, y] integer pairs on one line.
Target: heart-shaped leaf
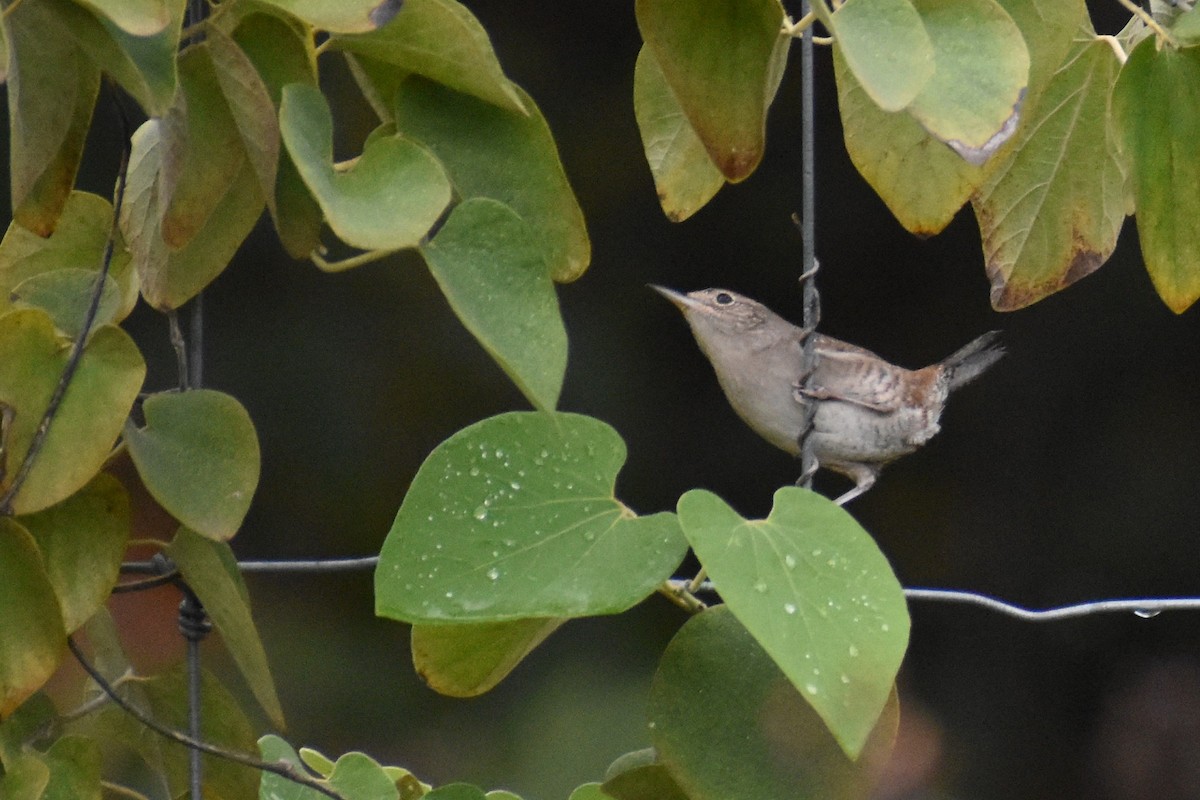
{"points": [[89, 419], [812, 587], [490, 267], [771, 743], [1051, 212], [510, 157], [514, 517], [388, 200], [198, 455]]}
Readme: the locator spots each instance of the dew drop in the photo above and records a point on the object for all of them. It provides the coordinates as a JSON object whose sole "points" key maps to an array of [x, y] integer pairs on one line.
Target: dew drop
{"points": [[789, 608], [885, 627], [853, 651], [473, 472], [449, 595], [790, 561], [811, 688], [760, 586], [515, 486], [481, 513], [1147, 613], [493, 574], [816, 553], [845, 678], [589, 536]]}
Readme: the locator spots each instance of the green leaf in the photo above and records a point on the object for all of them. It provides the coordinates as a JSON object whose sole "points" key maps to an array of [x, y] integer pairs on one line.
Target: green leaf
{"points": [[514, 517], [66, 295], [390, 197], [171, 277], [89, 419], [813, 589], [52, 89], [25, 726], [211, 571], [222, 722], [443, 41], [82, 541], [771, 743], [282, 54], [1156, 109], [198, 455], [468, 660], [684, 175], [251, 106], [316, 761], [923, 182], [980, 76], [644, 782], [32, 638], [343, 16], [274, 748], [489, 265], [143, 65], [205, 151], [1051, 212], [136, 17], [74, 763], [588, 791], [723, 62], [886, 47], [26, 777], [1186, 27], [509, 157], [358, 775], [457, 791], [76, 245]]}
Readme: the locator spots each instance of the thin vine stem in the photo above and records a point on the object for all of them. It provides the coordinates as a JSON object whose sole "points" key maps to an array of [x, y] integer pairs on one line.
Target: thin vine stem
{"points": [[281, 768]]}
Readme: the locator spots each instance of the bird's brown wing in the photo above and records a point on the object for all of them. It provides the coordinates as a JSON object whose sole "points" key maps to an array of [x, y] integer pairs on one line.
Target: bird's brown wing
{"points": [[855, 375]]}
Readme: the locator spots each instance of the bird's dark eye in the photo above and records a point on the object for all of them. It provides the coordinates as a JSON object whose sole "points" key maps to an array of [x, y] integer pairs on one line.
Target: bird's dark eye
{"points": [[724, 298]]}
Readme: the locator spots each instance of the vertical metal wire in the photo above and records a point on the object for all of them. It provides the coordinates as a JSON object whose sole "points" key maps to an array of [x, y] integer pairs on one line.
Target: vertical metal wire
{"points": [[808, 232], [194, 625]]}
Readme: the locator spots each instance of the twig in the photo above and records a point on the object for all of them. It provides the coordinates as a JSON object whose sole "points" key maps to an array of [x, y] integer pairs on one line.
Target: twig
{"points": [[77, 346], [180, 347], [281, 768]]}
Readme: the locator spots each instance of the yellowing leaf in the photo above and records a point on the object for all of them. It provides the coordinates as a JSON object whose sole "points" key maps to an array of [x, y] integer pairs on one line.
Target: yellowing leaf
{"points": [[1157, 102], [723, 62], [1051, 211]]}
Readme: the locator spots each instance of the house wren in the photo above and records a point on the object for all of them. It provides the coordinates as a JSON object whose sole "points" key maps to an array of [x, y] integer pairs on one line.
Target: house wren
{"points": [[869, 411]]}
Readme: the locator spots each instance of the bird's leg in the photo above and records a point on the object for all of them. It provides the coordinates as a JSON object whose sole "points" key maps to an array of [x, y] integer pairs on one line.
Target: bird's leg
{"points": [[863, 477]]}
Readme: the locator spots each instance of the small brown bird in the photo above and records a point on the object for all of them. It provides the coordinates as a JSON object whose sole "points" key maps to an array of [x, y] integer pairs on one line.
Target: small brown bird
{"points": [[869, 411]]}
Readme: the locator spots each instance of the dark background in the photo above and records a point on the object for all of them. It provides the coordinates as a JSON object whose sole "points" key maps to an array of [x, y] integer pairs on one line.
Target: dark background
{"points": [[1067, 474]]}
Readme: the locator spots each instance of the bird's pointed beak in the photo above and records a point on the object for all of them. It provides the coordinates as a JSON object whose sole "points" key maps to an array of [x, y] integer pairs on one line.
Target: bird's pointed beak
{"points": [[681, 300]]}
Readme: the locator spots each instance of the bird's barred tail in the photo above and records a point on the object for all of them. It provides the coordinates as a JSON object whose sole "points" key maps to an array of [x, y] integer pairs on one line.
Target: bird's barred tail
{"points": [[972, 360]]}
